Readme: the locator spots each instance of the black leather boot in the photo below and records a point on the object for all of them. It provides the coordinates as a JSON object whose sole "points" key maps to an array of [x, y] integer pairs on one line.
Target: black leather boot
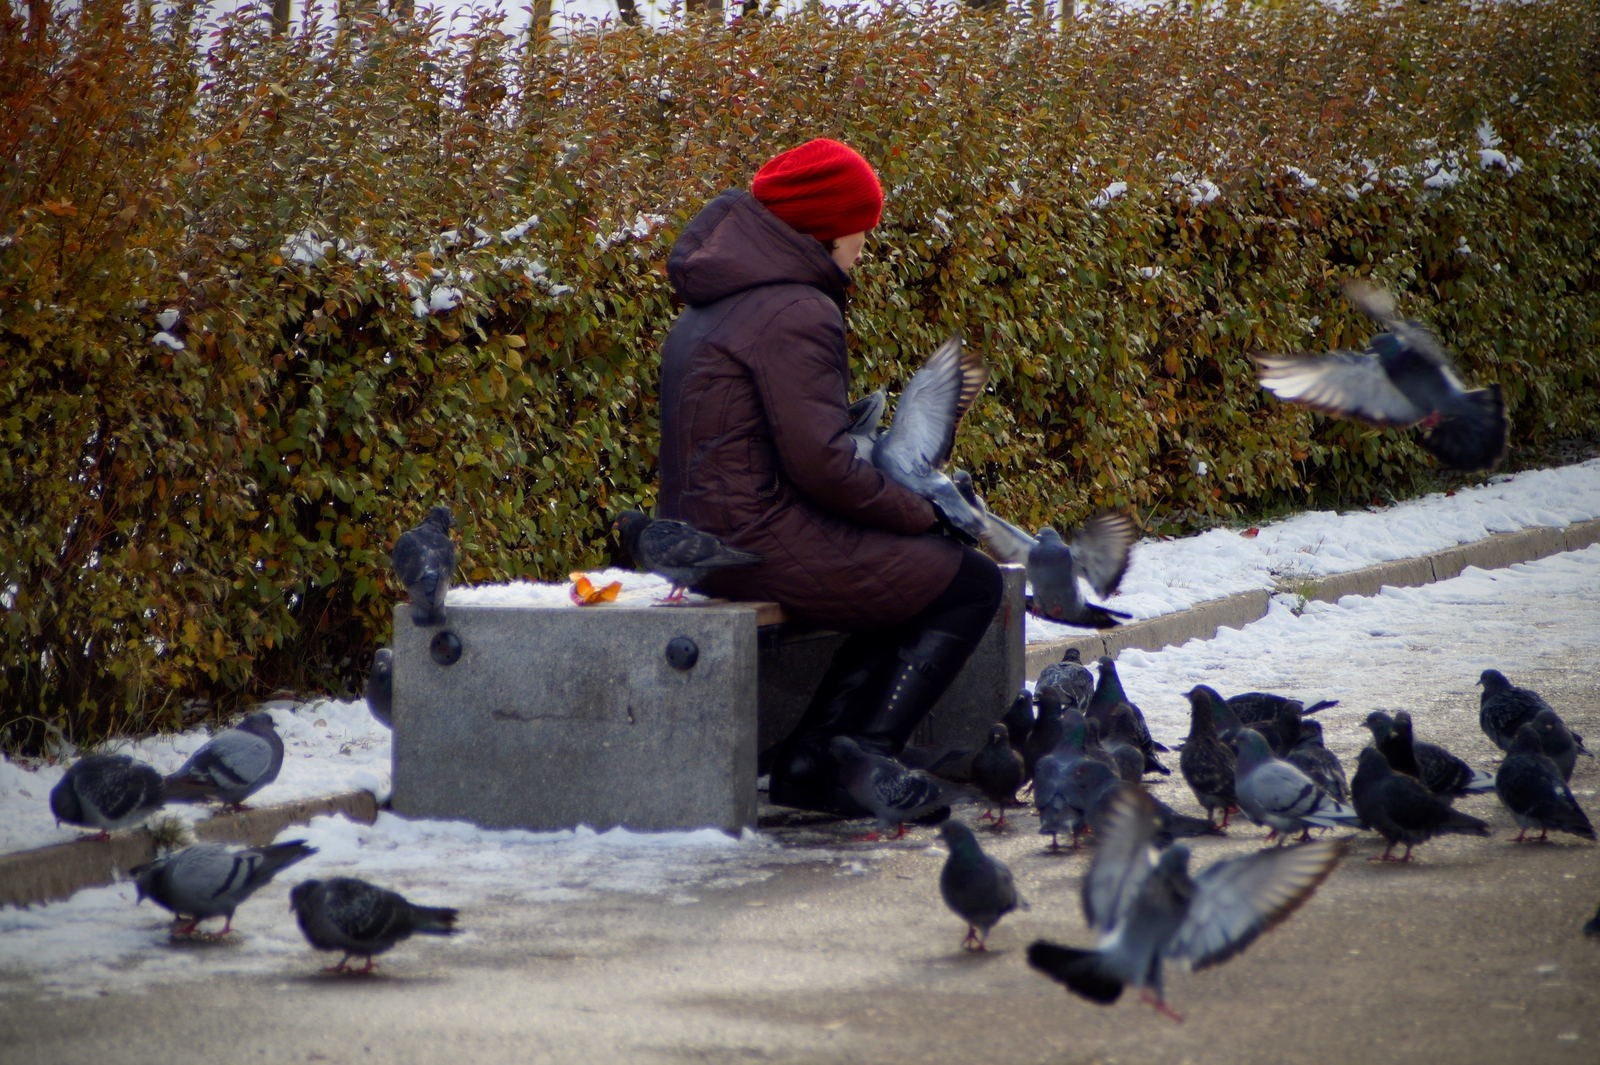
{"points": [[926, 664]]}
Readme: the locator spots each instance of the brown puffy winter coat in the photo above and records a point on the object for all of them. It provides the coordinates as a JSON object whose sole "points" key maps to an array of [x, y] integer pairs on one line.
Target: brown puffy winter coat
{"points": [[755, 379]]}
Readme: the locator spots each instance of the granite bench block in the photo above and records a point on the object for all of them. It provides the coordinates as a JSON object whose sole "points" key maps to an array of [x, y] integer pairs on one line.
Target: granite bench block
{"points": [[556, 717]]}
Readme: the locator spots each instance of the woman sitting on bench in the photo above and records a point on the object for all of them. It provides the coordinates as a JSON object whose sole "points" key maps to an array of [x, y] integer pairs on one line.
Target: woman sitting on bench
{"points": [[755, 381]]}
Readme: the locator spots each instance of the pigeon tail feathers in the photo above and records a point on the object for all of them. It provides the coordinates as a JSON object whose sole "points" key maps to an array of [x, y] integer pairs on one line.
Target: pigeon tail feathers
{"points": [[1078, 969]]}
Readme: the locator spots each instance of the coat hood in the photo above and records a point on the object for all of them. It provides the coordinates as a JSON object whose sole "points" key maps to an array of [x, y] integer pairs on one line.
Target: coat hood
{"points": [[735, 244]]}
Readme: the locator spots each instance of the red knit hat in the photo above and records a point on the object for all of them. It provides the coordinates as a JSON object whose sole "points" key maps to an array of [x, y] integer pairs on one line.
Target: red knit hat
{"points": [[822, 188]]}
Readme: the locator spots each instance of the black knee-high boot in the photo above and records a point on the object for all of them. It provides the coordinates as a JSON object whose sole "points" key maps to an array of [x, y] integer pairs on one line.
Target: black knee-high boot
{"points": [[926, 664]]}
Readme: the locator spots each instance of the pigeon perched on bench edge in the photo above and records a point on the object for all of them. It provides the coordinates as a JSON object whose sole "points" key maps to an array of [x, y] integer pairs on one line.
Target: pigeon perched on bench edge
{"points": [[676, 550], [424, 560], [107, 791], [232, 766]]}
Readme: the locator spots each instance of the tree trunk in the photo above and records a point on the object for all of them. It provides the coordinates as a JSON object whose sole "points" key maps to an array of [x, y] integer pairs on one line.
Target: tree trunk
{"points": [[539, 28], [38, 19], [280, 17]]}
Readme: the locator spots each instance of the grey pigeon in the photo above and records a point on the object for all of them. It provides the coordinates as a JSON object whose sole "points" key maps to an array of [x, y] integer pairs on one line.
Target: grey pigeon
{"points": [[1147, 909], [1064, 782], [1504, 708], [978, 888], [1108, 696], [1259, 707], [424, 560], [1122, 744], [1312, 758], [1558, 742], [913, 451], [1400, 809], [1274, 793], [1046, 732], [1206, 762], [676, 550], [892, 792], [1019, 720], [108, 792], [997, 771], [231, 766], [1531, 787], [865, 414], [1440, 771], [1403, 378], [1068, 680], [211, 880], [380, 686], [362, 919]]}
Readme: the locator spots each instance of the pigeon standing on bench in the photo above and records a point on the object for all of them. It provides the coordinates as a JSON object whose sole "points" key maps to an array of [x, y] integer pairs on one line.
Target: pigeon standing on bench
{"points": [[362, 919], [892, 792], [424, 560], [108, 792], [380, 686], [211, 880], [1403, 378], [232, 766], [676, 550]]}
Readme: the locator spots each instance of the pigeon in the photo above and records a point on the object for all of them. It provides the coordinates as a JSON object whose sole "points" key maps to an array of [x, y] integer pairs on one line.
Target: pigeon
{"points": [[1440, 771], [1400, 809], [865, 414], [977, 888], [211, 880], [232, 766], [676, 550], [1274, 793], [1403, 378], [1019, 720], [1046, 733], [892, 792], [1148, 909], [1067, 680], [1108, 695], [1593, 927], [1227, 722], [997, 771], [1123, 745], [1502, 708], [362, 919], [1313, 759], [1064, 783], [1531, 787], [913, 451], [1558, 742], [424, 559], [1254, 708], [380, 686], [1207, 764], [1093, 749], [1283, 732], [107, 791]]}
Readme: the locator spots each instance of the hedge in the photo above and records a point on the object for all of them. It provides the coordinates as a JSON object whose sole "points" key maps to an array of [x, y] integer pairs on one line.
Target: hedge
{"points": [[265, 301]]}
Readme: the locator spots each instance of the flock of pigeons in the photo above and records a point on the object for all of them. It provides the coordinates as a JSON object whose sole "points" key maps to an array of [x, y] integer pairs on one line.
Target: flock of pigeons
{"points": [[1085, 754]]}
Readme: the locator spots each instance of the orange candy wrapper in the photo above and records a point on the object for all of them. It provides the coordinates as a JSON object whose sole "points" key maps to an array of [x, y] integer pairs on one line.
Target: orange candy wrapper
{"points": [[584, 593]]}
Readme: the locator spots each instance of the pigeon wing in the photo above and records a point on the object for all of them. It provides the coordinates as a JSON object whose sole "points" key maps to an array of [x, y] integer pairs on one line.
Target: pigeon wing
{"points": [[865, 414], [1343, 383], [1122, 861], [907, 792], [1002, 540], [120, 786], [231, 759], [410, 558], [1238, 899], [930, 408], [1100, 550]]}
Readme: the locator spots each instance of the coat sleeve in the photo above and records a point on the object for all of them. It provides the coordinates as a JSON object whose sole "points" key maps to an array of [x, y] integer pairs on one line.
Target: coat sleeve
{"points": [[800, 370]]}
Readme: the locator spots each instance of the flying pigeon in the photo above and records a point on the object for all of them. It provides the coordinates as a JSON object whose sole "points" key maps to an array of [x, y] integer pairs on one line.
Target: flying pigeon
{"points": [[1403, 378], [362, 919], [1503, 708], [1558, 742], [424, 559], [1206, 762], [380, 686], [1067, 680], [997, 771], [676, 550], [1400, 809], [1019, 720], [108, 792], [232, 766], [1531, 787], [1148, 909], [1253, 708], [1274, 793], [1317, 762], [1440, 771], [913, 451], [892, 792], [1108, 696], [211, 880], [977, 888]]}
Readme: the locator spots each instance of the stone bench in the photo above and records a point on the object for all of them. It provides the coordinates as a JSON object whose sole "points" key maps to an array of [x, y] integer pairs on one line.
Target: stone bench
{"points": [[646, 717]]}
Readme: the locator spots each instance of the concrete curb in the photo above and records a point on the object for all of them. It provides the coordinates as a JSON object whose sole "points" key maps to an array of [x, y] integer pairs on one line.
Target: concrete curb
{"points": [[56, 872], [1202, 621]]}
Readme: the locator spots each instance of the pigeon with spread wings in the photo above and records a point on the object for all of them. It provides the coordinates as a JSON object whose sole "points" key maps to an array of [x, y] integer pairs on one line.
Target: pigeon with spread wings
{"points": [[1148, 909], [1403, 378]]}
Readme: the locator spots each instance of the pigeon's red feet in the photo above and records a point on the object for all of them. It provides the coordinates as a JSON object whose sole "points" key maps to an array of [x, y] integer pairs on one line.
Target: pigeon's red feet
{"points": [[1161, 1007], [367, 968], [973, 942], [1432, 420], [183, 928], [870, 837], [340, 968], [1305, 836], [674, 596], [238, 807], [101, 836], [1000, 822], [988, 815], [899, 832]]}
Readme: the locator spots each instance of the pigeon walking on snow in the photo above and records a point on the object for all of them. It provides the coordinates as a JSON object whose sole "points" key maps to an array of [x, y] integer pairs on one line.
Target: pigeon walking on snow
{"points": [[1439, 771], [978, 888], [1558, 742], [1274, 793], [380, 686], [424, 559], [1503, 708], [1403, 378], [1401, 810], [362, 919], [108, 792], [1148, 909], [997, 771], [232, 766], [211, 880], [892, 792], [1206, 762], [676, 550], [1531, 787]]}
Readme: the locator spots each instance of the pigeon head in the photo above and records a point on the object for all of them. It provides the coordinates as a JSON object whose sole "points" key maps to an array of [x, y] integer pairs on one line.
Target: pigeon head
{"points": [[1202, 718], [1402, 724], [630, 524], [1311, 730], [1547, 722], [1493, 680], [1049, 705], [1380, 723], [963, 482], [1372, 761], [1174, 861], [958, 837], [1071, 655], [440, 518], [1252, 748], [144, 878], [1526, 741], [999, 736], [1050, 537], [301, 893], [259, 722], [64, 802], [1388, 347], [383, 658]]}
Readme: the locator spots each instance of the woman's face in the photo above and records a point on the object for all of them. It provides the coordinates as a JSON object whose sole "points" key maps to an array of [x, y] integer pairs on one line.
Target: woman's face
{"points": [[847, 249]]}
